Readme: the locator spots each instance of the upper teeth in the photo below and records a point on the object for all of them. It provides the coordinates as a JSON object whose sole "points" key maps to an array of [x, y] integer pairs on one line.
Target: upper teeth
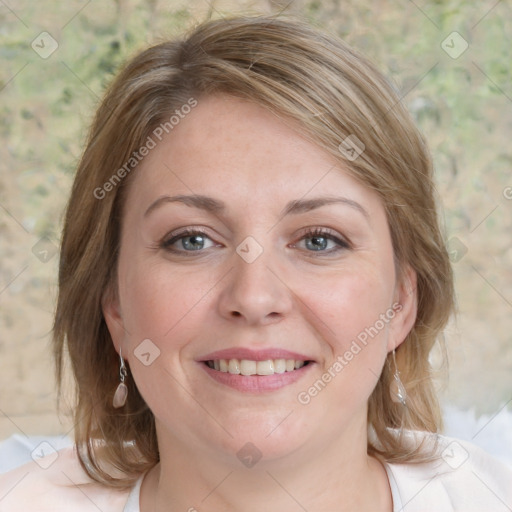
{"points": [[248, 367]]}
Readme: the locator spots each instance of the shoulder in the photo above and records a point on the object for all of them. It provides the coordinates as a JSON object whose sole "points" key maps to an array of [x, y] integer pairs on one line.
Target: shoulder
{"points": [[56, 483], [462, 476]]}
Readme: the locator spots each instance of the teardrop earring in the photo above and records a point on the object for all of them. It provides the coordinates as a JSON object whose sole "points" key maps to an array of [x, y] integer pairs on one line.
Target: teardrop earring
{"points": [[121, 393], [396, 387]]}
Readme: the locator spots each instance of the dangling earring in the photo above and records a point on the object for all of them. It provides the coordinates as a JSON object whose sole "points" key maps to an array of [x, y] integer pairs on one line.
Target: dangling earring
{"points": [[121, 393], [396, 388]]}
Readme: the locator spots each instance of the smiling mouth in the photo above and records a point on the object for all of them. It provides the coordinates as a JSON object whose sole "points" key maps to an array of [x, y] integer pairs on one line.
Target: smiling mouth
{"points": [[249, 367]]}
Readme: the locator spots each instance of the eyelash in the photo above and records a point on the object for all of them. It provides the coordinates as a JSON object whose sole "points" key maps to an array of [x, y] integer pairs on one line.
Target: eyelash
{"points": [[167, 242]]}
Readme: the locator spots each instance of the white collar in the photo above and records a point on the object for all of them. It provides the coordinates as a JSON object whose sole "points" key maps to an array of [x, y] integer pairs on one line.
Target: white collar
{"points": [[133, 503]]}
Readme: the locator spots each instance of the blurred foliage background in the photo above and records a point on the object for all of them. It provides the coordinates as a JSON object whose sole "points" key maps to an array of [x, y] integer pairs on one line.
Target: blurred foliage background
{"points": [[462, 103]]}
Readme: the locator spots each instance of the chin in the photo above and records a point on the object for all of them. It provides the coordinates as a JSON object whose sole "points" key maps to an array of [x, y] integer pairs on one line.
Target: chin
{"points": [[266, 436]]}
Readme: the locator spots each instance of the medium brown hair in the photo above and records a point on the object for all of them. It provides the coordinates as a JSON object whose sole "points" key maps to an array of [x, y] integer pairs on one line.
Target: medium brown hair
{"points": [[331, 92]]}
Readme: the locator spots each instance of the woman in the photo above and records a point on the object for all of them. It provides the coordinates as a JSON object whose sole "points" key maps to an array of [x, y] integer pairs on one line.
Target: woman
{"points": [[252, 278]]}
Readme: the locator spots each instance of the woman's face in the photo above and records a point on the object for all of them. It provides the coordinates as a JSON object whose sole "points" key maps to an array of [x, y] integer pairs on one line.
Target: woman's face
{"points": [[273, 253]]}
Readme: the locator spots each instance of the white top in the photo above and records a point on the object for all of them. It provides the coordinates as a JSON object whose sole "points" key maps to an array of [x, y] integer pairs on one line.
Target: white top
{"points": [[464, 478], [132, 505]]}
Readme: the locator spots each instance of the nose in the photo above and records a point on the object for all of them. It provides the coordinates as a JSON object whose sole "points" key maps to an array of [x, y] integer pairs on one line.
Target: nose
{"points": [[255, 293]]}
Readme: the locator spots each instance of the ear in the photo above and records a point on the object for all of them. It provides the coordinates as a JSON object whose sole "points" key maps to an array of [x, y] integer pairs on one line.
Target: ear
{"points": [[406, 302], [112, 313]]}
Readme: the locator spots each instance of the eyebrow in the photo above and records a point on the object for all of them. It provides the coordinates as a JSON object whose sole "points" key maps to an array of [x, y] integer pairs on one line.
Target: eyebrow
{"points": [[294, 207]]}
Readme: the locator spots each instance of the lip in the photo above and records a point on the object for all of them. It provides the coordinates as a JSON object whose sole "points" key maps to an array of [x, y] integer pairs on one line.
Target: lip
{"points": [[255, 355], [256, 383]]}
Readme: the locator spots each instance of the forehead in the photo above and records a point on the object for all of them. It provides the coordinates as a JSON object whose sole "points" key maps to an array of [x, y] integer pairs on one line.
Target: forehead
{"points": [[241, 152]]}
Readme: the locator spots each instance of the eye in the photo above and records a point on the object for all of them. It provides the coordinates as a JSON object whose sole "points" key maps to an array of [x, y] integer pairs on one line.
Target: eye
{"points": [[319, 239], [189, 240]]}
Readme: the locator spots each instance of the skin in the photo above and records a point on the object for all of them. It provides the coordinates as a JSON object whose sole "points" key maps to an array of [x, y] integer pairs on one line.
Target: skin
{"points": [[292, 297]]}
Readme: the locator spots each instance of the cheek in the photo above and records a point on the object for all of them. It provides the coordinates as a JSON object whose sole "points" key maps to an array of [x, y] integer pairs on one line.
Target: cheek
{"points": [[166, 307], [157, 299], [349, 301], [352, 314], [343, 309]]}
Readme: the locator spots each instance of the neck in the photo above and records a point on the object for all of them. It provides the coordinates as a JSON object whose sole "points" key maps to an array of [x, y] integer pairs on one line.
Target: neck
{"points": [[340, 477]]}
